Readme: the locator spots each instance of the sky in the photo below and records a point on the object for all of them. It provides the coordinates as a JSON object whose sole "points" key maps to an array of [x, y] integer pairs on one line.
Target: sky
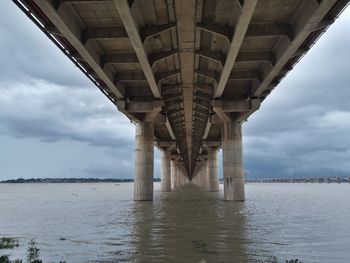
{"points": [[55, 123]]}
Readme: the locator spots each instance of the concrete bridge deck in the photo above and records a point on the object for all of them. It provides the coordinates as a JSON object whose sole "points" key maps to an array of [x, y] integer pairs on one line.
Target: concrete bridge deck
{"points": [[188, 73]]}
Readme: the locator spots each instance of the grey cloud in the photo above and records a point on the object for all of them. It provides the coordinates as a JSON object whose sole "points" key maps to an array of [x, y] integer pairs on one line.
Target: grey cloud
{"points": [[51, 113], [302, 127]]}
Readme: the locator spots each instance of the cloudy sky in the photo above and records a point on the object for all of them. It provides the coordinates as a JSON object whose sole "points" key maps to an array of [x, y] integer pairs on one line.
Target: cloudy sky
{"points": [[55, 123]]}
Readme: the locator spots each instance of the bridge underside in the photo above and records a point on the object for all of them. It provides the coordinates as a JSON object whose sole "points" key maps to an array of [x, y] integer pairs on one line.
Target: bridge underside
{"points": [[187, 73]]}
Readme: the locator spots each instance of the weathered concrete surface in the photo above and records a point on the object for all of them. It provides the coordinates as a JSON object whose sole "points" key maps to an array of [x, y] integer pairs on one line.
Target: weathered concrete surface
{"points": [[173, 174], [202, 177], [213, 169], [233, 161], [144, 152], [165, 185]]}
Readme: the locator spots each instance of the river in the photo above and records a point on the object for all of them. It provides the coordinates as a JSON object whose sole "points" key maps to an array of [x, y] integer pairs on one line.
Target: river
{"points": [[100, 223]]}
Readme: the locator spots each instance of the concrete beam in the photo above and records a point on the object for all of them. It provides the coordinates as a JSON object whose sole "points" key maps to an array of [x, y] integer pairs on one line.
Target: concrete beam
{"points": [[129, 76], [232, 106], [255, 105], [215, 119], [140, 106], [83, 1], [137, 43], [170, 129], [207, 129], [243, 75], [121, 58], [204, 88], [224, 117], [53, 30], [216, 29], [207, 73], [166, 74], [166, 144], [207, 143], [300, 51], [236, 42], [88, 1], [216, 56], [270, 30], [156, 57], [58, 3], [323, 24], [103, 33], [154, 30], [248, 56]]}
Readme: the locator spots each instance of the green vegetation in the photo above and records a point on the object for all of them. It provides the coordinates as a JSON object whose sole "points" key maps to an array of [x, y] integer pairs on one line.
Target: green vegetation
{"points": [[6, 259], [8, 243], [33, 252], [275, 260]]}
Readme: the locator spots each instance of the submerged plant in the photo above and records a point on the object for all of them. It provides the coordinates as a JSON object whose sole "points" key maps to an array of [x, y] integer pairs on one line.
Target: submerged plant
{"points": [[8, 243], [275, 260], [6, 259], [33, 252]]}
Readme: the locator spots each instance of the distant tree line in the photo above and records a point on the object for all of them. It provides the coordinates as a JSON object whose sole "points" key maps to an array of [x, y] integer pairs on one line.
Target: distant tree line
{"points": [[71, 180]]}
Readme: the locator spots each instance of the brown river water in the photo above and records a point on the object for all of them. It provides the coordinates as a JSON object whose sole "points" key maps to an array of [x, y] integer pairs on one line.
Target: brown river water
{"points": [[100, 223]]}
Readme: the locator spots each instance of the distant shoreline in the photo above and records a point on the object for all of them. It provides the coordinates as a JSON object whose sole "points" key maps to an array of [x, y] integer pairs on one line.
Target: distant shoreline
{"points": [[130, 180], [68, 180], [320, 180]]}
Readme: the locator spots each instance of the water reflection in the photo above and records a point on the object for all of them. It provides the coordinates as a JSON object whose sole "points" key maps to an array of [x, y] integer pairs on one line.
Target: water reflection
{"points": [[189, 226]]}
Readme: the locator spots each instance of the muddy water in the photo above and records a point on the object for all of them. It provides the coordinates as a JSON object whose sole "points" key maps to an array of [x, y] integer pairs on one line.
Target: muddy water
{"points": [[100, 222]]}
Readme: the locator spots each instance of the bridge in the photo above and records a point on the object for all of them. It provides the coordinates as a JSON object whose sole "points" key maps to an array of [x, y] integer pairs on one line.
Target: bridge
{"points": [[187, 73]]}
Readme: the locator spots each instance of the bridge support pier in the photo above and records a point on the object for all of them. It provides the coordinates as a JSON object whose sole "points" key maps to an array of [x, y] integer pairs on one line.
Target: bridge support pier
{"points": [[213, 169], [165, 185], [182, 177], [232, 161], [205, 175], [144, 152], [173, 174], [202, 177]]}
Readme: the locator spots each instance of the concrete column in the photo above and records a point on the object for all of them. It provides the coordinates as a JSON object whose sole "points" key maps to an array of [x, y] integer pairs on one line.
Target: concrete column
{"points": [[177, 176], [165, 185], [213, 169], [205, 175], [144, 140], [232, 161], [182, 177], [202, 176], [173, 169]]}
